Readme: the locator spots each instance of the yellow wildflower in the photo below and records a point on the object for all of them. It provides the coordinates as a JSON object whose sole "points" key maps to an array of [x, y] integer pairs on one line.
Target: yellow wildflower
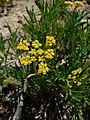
{"points": [[74, 81], [25, 61], [74, 72], [28, 56], [24, 41], [23, 45], [79, 83], [84, 77], [41, 58], [50, 40], [49, 53], [68, 3], [20, 46], [32, 52], [43, 68], [40, 51], [36, 44], [25, 48], [33, 58], [79, 70], [74, 77], [27, 44], [69, 76], [70, 86], [78, 3]]}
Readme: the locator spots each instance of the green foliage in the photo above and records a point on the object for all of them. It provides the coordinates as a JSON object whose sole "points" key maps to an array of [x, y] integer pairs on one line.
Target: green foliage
{"points": [[68, 80], [38, 29], [1, 42], [7, 72]]}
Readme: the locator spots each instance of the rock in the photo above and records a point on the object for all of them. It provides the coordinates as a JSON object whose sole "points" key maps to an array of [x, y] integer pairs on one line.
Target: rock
{"points": [[1, 10], [5, 11]]}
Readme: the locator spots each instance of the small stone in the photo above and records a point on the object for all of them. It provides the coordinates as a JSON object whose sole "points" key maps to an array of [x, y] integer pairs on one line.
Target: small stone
{"points": [[11, 51], [10, 5], [13, 56], [5, 25], [5, 12], [1, 10]]}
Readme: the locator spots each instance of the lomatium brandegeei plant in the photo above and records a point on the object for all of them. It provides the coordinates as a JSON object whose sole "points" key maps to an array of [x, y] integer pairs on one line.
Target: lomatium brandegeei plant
{"points": [[53, 57]]}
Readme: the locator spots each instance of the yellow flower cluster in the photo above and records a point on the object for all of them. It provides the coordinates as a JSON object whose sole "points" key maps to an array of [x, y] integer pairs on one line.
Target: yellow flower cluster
{"points": [[41, 58], [50, 40], [49, 53], [78, 71], [42, 68], [40, 52], [79, 83], [25, 60], [32, 52], [36, 44], [75, 3], [33, 58], [68, 3], [73, 76], [85, 76], [78, 3], [23, 45], [37, 54]]}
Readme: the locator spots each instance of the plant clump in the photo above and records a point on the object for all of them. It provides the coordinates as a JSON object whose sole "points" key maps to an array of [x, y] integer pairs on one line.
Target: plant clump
{"points": [[51, 62]]}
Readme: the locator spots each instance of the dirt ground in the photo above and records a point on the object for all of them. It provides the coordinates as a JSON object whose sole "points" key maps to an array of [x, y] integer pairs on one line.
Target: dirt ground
{"points": [[13, 14]]}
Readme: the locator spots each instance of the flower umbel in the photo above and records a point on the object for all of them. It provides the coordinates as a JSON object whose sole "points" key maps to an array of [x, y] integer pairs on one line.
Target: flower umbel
{"points": [[32, 52], [75, 3], [41, 58], [25, 60], [49, 53], [43, 68], [73, 77], [23, 45], [79, 83], [78, 3], [68, 3], [36, 44], [50, 40], [78, 71], [40, 51]]}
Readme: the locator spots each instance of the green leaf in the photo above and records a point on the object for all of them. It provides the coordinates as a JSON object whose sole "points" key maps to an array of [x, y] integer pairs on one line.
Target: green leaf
{"points": [[25, 85], [0, 88], [30, 75], [1, 42], [80, 116]]}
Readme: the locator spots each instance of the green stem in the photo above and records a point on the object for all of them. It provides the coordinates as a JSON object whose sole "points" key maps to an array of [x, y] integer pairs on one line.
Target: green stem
{"points": [[30, 75]]}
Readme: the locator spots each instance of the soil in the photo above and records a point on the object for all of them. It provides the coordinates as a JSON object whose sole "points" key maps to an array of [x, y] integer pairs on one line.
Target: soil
{"points": [[13, 13]]}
